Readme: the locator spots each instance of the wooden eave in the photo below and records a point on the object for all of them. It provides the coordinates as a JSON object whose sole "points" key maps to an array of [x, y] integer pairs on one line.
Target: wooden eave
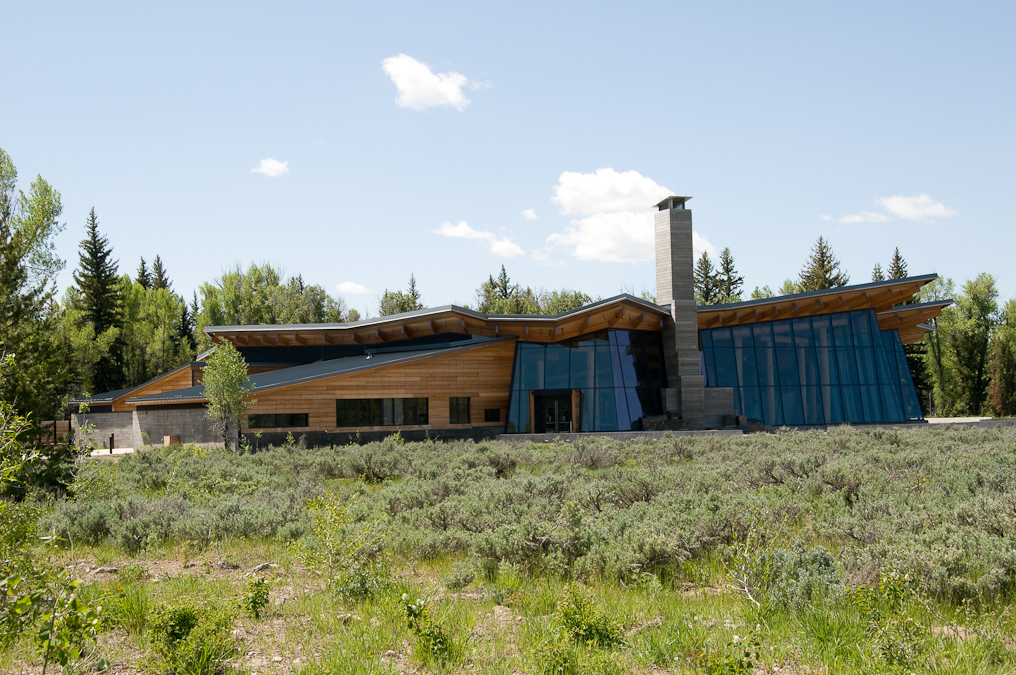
{"points": [[627, 313], [911, 320]]}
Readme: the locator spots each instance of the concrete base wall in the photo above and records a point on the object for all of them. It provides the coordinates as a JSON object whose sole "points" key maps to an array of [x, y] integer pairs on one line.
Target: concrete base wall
{"points": [[122, 425], [136, 429]]}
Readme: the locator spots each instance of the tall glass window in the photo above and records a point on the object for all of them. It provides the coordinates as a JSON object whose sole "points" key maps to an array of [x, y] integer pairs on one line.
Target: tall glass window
{"points": [[826, 369], [617, 373]]}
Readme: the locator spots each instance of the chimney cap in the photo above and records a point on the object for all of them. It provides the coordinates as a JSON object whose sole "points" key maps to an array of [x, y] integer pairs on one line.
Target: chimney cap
{"points": [[672, 202]]}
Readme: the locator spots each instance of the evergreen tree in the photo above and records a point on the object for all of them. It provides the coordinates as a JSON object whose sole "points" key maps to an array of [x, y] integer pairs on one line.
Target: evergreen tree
{"points": [[822, 270], [159, 277], [706, 286], [501, 296], [762, 293], [898, 266], [877, 274], [98, 289], [144, 276], [728, 282], [788, 287], [397, 302]]}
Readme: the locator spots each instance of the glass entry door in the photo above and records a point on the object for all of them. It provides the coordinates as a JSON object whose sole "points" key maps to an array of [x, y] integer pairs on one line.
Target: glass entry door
{"points": [[553, 413]]}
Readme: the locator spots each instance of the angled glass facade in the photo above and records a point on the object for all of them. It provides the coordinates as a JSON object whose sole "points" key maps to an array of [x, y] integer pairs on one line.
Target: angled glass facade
{"points": [[831, 369], [618, 373]]}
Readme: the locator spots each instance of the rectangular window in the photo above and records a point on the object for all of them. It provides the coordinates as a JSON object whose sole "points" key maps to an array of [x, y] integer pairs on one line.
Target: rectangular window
{"points": [[458, 410], [492, 415], [379, 412], [274, 420]]}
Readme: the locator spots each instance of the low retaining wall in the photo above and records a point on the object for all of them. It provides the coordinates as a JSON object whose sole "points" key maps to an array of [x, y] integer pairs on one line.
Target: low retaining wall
{"points": [[135, 429]]}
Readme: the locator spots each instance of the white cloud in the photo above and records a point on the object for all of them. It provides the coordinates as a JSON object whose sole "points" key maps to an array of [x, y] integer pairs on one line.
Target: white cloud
{"points": [[616, 216], [420, 88], [352, 288], [501, 246], [865, 217], [825, 217], [921, 207], [530, 214], [272, 168]]}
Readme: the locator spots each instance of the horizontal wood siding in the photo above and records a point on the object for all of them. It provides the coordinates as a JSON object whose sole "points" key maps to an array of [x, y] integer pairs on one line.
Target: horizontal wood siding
{"points": [[481, 373], [180, 379]]}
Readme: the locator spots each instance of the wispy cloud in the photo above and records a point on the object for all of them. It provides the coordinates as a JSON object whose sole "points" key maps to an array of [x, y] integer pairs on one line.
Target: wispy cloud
{"points": [[615, 216], [919, 207], [501, 246], [352, 288], [272, 168], [420, 88], [530, 214]]}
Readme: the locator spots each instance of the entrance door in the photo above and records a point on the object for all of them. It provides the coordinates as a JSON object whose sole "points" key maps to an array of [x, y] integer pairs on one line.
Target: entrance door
{"points": [[553, 413]]}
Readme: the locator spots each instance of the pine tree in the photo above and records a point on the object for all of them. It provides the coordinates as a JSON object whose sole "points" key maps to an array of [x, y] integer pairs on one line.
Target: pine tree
{"points": [[728, 283], [822, 269], [159, 277], [144, 276], [706, 289], [898, 266], [877, 274], [99, 298]]}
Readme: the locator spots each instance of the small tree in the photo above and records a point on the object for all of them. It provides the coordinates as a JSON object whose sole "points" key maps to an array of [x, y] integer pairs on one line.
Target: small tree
{"points": [[728, 282], [897, 266], [877, 274], [706, 286], [228, 389], [822, 269]]}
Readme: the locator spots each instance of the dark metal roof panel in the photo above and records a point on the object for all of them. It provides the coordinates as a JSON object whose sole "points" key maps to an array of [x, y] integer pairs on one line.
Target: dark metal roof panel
{"points": [[924, 279]]}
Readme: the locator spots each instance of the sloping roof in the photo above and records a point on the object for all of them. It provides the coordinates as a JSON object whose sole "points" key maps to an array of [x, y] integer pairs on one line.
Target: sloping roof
{"points": [[882, 296], [316, 371], [111, 396], [621, 311]]}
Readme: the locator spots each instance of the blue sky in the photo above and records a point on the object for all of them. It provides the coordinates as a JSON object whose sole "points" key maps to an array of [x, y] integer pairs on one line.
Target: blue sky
{"points": [[445, 141]]}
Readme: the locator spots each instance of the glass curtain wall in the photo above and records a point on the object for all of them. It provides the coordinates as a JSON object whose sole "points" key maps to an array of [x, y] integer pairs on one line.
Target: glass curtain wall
{"points": [[619, 373], [831, 369]]}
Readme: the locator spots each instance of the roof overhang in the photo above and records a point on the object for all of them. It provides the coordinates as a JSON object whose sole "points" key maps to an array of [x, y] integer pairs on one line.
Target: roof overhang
{"points": [[623, 311]]}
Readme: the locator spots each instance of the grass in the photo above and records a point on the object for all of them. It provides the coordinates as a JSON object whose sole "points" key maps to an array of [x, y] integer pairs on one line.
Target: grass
{"points": [[841, 552]]}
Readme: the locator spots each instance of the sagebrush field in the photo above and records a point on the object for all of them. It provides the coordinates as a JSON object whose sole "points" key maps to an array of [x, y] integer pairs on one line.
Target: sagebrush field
{"points": [[867, 551]]}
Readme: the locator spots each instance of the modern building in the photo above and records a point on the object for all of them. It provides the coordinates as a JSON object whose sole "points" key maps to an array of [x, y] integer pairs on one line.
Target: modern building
{"points": [[825, 357]]}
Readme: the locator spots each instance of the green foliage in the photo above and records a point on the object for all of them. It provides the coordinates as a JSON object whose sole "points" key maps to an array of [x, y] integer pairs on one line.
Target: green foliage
{"points": [[899, 637], [705, 281], [1003, 363], [129, 608], [397, 302], [822, 270], [256, 597], [68, 629], [728, 282], [462, 574], [433, 643], [191, 639], [228, 390], [501, 296], [740, 658], [583, 622]]}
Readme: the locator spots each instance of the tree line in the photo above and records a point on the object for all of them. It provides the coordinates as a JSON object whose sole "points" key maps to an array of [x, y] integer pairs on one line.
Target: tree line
{"points": [[113, 329]]}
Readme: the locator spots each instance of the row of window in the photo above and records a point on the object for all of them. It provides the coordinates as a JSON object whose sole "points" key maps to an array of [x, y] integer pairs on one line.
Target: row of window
{"points": [[377, 412]]}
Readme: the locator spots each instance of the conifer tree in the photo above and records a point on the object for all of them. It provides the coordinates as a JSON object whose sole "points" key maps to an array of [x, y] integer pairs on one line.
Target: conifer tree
{"points": [[728, 283], [822, 269], [159, 277], [99, 299], [706, 288], [877, 274], [144, 276], [898, 266]]}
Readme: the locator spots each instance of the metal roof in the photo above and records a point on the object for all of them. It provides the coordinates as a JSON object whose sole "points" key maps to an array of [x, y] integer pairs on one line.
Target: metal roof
{"points": [[111, 396]]}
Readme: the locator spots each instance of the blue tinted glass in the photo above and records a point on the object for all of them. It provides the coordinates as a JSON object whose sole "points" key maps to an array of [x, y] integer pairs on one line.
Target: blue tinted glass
{"points": [[812, 399], [846, 366], [902, 368], [624, 421], [612, 336], [708, 361], [606, 412], [822, 329], [841, 330], [721, 338], [524, 422], [827, 366], [604, 372], [783, 335], [802, 332], [627, 357], [886, 375], [654, 361], [887, 341], [861, 330], [532, 367], [588, 406], [726, 368], [751, 403], [747, 371], [707, 339], [765, 363], [621, 337], [832, 407], [871, 404], [556, 375], [650, 401], [741, 336], [866, 365], [772, 408], [635, 408], [583, 362], [911, 406], [763, 335], [793, 410], [853, 413], [514, 426], [808, 366], [892, 406], [786, 365]]}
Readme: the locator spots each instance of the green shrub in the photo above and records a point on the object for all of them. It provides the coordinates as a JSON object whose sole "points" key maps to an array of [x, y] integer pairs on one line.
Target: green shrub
{"points": [[129, 608], [582, 622], [433, 644], [256, 597], [191, 639], [462, 574]]}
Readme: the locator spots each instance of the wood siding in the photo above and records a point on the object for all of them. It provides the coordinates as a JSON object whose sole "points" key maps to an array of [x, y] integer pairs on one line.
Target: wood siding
{"points": [[482, 373], [182, 378]]}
